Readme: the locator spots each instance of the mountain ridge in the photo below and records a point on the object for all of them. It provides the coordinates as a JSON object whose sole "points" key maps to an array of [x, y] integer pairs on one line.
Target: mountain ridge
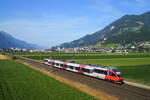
{"points": [[8, 41], [124, 25]]}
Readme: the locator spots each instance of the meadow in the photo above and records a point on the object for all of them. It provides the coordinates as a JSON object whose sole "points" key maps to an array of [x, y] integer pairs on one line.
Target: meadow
{"points": [[135, 66], [19, 82]]}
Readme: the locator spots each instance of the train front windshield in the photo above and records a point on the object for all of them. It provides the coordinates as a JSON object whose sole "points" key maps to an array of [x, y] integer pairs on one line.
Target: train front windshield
{"points": [[118, 73], [45, 60]]}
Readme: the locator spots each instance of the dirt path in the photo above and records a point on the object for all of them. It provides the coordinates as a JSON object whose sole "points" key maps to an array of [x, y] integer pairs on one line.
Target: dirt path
{"points": [[2, 57]]}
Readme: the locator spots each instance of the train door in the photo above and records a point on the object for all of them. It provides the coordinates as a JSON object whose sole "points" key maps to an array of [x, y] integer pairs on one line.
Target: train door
{"points": [[53, 63], [81, 69], [65, 66]]}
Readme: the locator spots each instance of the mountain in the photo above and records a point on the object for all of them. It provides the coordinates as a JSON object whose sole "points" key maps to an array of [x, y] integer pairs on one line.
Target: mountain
{"points": [[140, 36], [8, 41], [127, 26]]}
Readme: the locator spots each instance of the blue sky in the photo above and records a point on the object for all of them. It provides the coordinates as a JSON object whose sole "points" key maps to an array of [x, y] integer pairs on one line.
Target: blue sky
{"points": [[52, 22]]}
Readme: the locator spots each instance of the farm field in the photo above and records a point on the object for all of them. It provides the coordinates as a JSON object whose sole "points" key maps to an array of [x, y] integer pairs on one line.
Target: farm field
{"points": [[72, 56], [135, 66], [18, 82], [75, 54]]}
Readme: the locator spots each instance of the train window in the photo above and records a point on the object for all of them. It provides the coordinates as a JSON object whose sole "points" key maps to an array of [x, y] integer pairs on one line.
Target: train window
{"points": [[105, 72], [71, 67], [95, 70], [82, 69], [57, 64], [45, 60], [85, 70], [98, 71], [112, 74], [77, 68], [89, 71], [61, 65], [49, 62]]}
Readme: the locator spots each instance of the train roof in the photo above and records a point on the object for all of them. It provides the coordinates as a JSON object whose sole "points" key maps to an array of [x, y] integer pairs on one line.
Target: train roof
{"points": [[87, 65], [73, 64], [95, 65], [111, 68]]}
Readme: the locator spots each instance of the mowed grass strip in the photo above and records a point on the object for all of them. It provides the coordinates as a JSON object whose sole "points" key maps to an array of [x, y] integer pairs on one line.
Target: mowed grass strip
{"points": [[18, 82]]}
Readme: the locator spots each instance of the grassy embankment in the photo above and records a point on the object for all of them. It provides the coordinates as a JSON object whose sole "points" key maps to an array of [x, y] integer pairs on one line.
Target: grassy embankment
{"points": [[135, 66], [18, 82]]}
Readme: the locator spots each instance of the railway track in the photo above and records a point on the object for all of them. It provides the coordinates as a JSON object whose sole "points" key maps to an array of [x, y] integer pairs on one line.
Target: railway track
{"points": [[124, 92]]}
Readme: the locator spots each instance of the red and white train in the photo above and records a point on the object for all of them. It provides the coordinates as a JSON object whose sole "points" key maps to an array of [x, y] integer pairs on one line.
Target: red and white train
{"points": [[106, 73]]}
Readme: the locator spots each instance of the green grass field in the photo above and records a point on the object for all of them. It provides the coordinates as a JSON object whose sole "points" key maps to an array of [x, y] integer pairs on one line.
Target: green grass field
{"points": [[69, 56], [116, 62], [19, 82], [75, 54], [138, 73], [135, 66]]}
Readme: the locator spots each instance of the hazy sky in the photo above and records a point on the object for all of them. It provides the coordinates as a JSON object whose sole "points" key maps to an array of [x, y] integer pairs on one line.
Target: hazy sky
{"points": [[52, 22]]}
